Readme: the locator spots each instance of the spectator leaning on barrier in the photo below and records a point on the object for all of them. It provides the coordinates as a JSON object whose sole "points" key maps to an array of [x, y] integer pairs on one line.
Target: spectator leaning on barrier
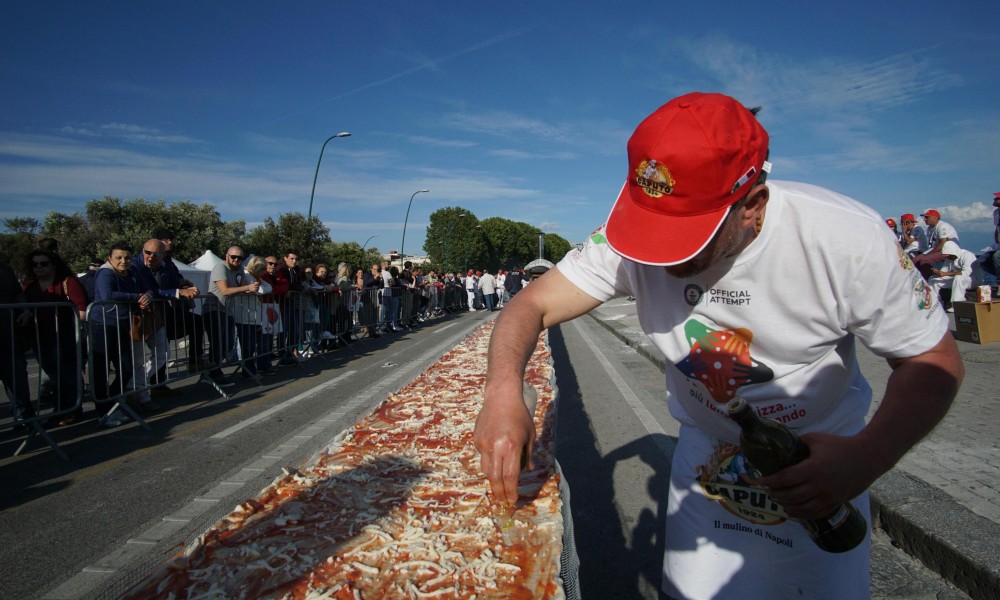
{"points": [[51, 280], [154, 278], [13, 366], [342, 315], [117, 295], [372, 301], [311, 310], [246, 312], [288, 269], [279, 289], [225, 281], [180, 318], [708, 248]]}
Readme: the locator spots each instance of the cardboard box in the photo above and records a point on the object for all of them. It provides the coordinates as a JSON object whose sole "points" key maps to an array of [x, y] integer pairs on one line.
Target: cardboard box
{"points": [[977, 322]]}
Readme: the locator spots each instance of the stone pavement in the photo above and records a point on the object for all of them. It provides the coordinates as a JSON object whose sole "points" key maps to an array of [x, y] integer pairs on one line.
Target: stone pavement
{"points": [[941, 504]]}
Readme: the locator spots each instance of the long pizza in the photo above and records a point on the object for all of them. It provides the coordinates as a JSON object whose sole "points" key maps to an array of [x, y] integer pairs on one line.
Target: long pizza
{"points": [[396, 507]]}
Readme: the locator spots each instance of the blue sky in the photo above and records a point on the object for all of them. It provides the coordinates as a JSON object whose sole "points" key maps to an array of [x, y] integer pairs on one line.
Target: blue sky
{"points": [[513, 109]]}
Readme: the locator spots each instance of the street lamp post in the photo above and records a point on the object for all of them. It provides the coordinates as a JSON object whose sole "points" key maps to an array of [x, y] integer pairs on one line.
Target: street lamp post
{"points": [[365, 245], [402, 244], [313, 193]]}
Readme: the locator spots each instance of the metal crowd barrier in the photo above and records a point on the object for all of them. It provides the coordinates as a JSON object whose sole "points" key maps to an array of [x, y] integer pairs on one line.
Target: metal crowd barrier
{"points": [[44, 356], [124, 353]]}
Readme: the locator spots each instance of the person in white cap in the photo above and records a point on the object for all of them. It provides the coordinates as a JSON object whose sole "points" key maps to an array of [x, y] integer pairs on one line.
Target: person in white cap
{"points": [[954, 273], [748, 292]]}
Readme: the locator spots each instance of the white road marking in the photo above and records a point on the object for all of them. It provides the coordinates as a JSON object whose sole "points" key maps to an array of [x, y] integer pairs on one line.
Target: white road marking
{"points": [[645, 417], [291, 401]]}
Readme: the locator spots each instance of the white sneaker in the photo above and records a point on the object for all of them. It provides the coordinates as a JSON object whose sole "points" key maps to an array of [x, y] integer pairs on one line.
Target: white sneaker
{"points": [[949, 309], [116, 418]]}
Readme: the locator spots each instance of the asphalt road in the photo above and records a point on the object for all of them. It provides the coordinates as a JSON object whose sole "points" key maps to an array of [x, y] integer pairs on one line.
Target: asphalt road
{"points": [[128, 498]]}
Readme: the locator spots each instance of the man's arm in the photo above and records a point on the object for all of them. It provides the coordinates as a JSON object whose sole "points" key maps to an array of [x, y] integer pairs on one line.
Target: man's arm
{"points": [[918, 394], [250, 288], [504, 427]]}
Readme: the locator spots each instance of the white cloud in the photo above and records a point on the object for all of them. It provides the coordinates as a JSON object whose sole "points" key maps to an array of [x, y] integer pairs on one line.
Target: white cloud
{"points": [[977, 216]]}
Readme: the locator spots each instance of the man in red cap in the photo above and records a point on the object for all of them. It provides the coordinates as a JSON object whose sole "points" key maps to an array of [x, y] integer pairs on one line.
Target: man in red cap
{"points": [[747, 292], [938, 232], [891, 223], [913, 238]]}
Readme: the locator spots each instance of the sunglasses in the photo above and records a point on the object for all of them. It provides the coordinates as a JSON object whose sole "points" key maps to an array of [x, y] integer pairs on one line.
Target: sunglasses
{"points": [[41, 265], [151, 253], [271, 263], [235, 257]]}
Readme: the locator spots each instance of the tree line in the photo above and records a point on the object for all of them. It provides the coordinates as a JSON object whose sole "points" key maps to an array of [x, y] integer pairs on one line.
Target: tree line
{"points": [[456, 238]]}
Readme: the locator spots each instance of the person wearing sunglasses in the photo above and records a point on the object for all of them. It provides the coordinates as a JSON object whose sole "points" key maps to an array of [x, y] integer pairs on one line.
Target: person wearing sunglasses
{"points": [[51, 280], [165, 287], [226, 280]]}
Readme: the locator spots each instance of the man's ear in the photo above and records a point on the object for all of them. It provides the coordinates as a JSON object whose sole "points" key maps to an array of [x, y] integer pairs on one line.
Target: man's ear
{"points": [[754, 206]]}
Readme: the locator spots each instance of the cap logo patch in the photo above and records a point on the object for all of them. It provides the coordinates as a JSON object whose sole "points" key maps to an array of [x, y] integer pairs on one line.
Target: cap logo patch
{"points": [[743, 180], [654, 178]]}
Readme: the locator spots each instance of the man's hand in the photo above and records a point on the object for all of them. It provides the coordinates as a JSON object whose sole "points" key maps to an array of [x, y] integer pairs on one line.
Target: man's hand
{"points": [[835, 472], [504, 426], [188, 293], [917, 396], [504, 436], [253, 287]]}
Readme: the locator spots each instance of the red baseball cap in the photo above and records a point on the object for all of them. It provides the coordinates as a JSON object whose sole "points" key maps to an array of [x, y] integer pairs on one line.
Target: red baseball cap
{"points": [[996, 194], [689, 162], [931, 213], [908, 217], [890, 222]]}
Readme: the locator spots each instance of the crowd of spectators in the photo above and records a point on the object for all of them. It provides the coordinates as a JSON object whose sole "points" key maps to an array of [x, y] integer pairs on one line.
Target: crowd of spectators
{"points": [[935, 249], [143, 324]]}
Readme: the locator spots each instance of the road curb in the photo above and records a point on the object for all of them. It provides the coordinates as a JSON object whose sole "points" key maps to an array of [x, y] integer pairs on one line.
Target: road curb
{"points": [[926, 523]]}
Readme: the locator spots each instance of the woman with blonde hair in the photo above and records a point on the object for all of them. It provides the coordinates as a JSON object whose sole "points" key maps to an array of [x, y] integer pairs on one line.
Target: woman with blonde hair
{"points": [[246, 313]]}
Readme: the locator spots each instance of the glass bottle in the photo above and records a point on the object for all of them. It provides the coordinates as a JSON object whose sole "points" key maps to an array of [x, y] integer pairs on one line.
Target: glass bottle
{"points": [[770, 447]]}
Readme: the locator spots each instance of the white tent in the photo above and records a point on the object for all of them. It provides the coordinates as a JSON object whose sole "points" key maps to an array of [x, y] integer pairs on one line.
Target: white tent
{"points": [[206, 261], [196, 273]]}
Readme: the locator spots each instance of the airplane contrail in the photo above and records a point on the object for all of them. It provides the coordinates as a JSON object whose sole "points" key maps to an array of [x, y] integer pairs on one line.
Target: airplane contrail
{"points": [[426, 65]]}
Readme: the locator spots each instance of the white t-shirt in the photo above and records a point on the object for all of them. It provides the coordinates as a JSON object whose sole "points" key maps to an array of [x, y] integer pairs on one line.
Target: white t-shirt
{"points": [[775, 325], [940, 231], [963, 262], [919, 243]]}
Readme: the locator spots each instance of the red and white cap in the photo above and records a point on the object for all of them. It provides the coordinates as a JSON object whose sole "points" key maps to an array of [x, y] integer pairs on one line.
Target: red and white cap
{"points": [[931, 213], [689, 162], [890, 222]]}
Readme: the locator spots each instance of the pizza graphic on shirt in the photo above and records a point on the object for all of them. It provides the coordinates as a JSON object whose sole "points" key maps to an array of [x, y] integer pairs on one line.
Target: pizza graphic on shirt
{"points": [[720, 359]]}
